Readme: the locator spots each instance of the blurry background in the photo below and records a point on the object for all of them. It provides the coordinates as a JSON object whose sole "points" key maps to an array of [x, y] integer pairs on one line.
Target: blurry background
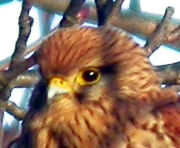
{"points": [[44, 22]]}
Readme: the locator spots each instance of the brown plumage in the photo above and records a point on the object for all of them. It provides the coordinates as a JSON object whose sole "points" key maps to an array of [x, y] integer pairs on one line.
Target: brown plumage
{"points": [[126, 108]]}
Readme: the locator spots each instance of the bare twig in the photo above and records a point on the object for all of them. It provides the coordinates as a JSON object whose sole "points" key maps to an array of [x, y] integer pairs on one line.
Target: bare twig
{"points": [[25, 23], [16, 67], [117, 7], [10, 74], [170, 77], [106, 9], [169, 74], [174, 35], [173, 66], [115, 11], [103, 7], [159, 37], [141, 24], [13, 109], [5, 90], [162, 35], [4, 64], [27, 79], [70, 16]]}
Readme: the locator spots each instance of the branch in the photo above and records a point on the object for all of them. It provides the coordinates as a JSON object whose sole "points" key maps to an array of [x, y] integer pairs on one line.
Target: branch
{"points": [[170, 77], [169, 74], [141, 24], [162, 35], [5, 87], [173, 66], [25, 23], [4, 64], [27, 79], [70, 16], [13, 109], [115, 11], [106, 9], [10, 74], [16, 67], [103, 7]]}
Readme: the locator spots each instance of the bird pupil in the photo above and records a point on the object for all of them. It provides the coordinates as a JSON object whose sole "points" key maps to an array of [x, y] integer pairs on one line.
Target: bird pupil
{"points": [[90, 75]]}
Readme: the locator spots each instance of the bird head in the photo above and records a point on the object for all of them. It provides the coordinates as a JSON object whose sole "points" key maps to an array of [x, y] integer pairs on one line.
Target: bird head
{"points": [[103, 60]]}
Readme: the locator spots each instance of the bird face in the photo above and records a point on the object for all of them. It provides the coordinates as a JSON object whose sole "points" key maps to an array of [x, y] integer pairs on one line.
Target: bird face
{"points": [[81, 85]]}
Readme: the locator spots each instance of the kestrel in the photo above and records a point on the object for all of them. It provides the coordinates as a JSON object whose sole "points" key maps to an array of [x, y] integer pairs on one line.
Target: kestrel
{"points": [[102, 92]]}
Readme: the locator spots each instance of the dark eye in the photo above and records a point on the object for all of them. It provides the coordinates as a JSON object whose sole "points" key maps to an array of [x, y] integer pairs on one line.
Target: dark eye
{"points": [[88, 76]]}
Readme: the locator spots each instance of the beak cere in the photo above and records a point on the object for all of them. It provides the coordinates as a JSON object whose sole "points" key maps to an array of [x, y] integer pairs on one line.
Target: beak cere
{"points": [[58, 86]]}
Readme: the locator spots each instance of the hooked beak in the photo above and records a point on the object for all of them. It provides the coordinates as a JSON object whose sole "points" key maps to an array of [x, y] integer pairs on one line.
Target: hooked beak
{"points": [[58, 86]]}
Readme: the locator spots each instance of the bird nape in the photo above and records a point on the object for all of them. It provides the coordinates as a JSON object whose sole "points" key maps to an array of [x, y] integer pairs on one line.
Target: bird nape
{"points": [[102, 92]]}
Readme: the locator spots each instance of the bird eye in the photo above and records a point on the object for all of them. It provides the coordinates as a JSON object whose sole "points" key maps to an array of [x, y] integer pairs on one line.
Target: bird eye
{"points": [[88, 76]]}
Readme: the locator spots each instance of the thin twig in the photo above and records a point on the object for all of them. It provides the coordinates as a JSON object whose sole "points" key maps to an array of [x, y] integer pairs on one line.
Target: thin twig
{"points": [[115, 11], [173, 66], [25, 23], [15, 68], [13, 109], [10, 74], [175, 35], [117, 7], [6, 90], [170, 77], [169, 74], [4, 64], [70, 16], [106, 9], [162, 35], [103, 7], [159, 37], [27, 79]]}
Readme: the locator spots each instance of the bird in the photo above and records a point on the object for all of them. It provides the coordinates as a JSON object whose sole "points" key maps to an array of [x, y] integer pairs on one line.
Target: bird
{"points": [[101, 92]]}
